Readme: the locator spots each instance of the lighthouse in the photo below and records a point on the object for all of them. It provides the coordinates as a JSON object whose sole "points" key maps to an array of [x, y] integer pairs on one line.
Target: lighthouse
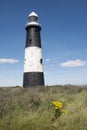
{"points": [[33, 67]]}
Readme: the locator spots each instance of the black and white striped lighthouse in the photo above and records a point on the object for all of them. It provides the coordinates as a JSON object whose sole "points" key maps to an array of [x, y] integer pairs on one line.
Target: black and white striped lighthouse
{"points": [[33, 68]]}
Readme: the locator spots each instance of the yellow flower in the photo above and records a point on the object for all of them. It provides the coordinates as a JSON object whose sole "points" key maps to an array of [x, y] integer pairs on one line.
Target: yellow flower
{"points": [[64, 111], [57, 104]]}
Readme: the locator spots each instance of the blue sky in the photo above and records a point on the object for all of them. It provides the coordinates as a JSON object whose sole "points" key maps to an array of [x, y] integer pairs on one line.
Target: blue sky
{"points": [[63, 36]]}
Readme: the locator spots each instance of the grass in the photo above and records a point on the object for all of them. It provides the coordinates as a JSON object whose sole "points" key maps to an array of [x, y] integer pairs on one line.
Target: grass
{"points": [[30, 109]]}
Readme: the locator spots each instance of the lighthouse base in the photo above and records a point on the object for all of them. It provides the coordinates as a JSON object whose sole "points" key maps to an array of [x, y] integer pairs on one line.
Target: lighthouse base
{"points": [[32, 79]]}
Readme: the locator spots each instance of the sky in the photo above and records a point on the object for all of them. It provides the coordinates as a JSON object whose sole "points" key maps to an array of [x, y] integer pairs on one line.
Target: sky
{"points": [[63, 38]]}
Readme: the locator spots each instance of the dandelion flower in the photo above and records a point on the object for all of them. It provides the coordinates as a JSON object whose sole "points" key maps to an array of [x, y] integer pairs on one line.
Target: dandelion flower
{"points": [[64, 111]]}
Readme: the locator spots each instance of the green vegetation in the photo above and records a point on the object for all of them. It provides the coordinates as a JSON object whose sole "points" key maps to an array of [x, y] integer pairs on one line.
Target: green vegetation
{"points": [[30, 109]]}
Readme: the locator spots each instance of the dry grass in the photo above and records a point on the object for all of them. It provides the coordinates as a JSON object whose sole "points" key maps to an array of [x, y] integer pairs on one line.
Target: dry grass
{"points": [[29, 108]]}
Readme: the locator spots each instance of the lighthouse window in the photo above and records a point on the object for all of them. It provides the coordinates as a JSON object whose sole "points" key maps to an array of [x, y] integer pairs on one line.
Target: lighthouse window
{"points": [[41, 61], [30, 40], [36, 30], [33, 18]]}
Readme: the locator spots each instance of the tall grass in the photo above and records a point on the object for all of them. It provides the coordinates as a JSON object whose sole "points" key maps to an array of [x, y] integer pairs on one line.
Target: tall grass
{"points": [[30, 109]]}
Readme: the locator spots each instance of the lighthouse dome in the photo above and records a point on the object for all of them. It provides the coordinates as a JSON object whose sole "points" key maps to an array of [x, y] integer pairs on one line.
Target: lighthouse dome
{"points": [[33, 14]]}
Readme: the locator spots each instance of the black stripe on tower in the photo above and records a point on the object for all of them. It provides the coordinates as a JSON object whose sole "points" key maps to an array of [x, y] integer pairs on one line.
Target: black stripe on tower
{"points": [[32, 79], [33, 36]]}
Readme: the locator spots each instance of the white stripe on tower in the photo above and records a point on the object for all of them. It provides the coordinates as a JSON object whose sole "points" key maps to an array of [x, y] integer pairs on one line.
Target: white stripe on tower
{"points": [[33, 68], [33, 60]]}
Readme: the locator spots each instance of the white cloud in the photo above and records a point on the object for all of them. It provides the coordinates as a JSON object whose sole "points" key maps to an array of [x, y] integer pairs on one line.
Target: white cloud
{"points": [[10, 61], [73, 63], [48, 59]]}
